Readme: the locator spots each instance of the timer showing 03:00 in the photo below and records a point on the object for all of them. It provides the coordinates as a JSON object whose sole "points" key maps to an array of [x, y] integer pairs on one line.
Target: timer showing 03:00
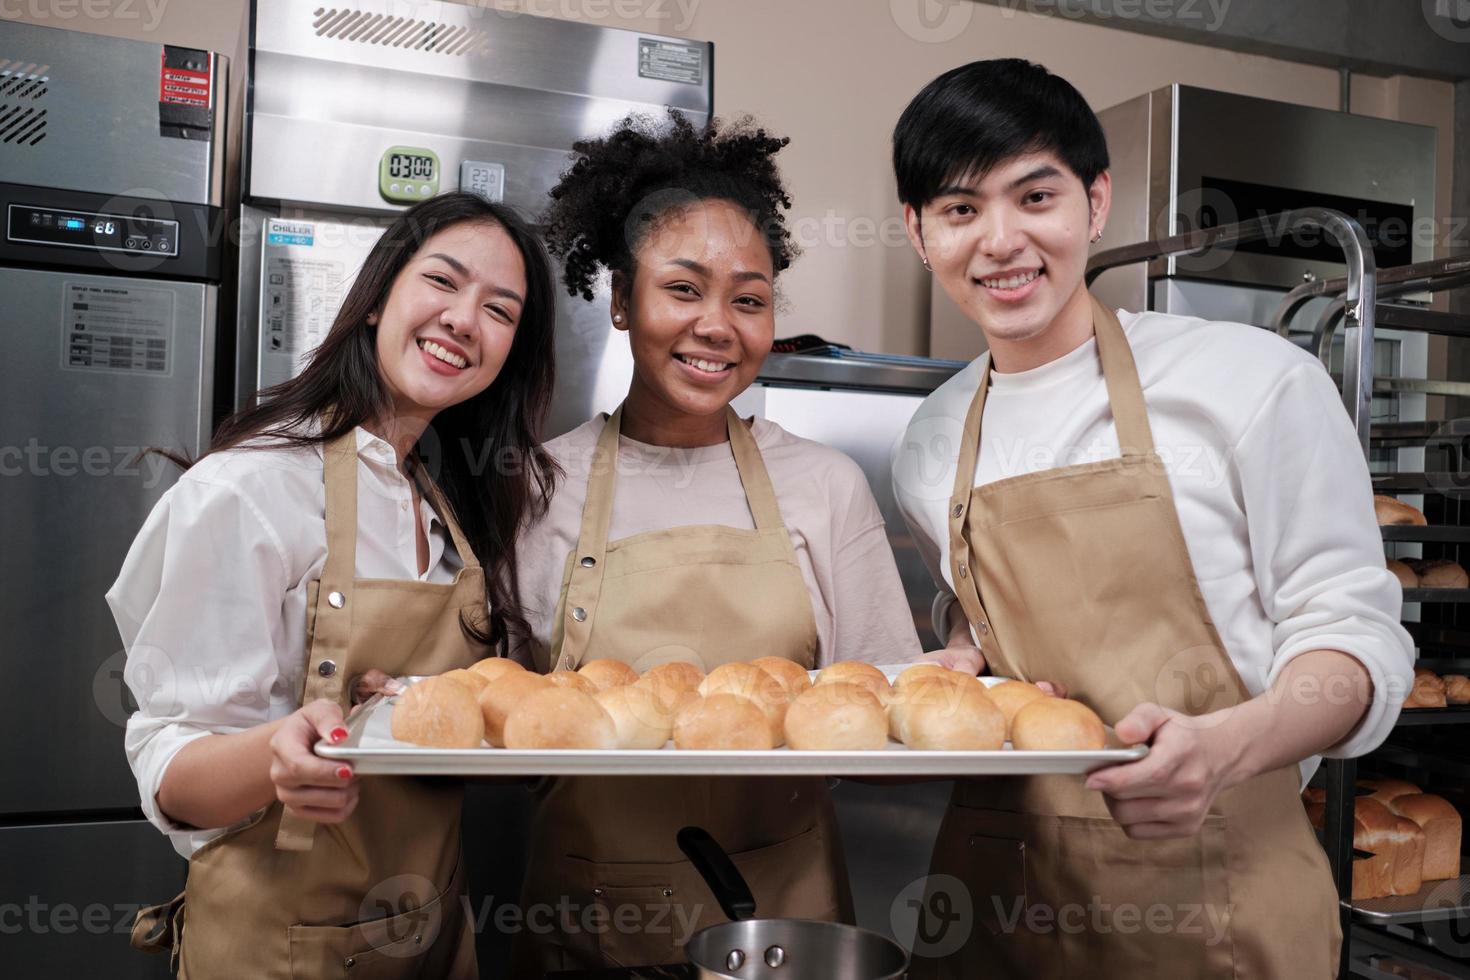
{"points": [[407, 174]]}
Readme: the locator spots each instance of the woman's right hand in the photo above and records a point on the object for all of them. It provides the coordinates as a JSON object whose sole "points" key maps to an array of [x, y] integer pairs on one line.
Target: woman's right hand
{"points": [[318, 789]]}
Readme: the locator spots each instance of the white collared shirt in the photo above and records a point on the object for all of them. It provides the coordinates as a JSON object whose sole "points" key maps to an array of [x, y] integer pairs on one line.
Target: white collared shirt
{"points": [[211, 599], [1269, 481]]}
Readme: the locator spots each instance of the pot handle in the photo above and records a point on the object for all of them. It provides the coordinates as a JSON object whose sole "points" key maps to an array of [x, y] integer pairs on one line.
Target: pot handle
{"points": [[718, 871]]}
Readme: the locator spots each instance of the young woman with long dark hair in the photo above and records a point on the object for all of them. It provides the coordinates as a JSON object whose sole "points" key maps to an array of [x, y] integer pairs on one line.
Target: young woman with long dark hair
{"points": [[358, 523]]}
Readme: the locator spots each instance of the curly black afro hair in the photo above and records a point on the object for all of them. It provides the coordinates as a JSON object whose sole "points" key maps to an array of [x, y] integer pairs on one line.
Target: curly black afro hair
{"points": [[621, 184]]}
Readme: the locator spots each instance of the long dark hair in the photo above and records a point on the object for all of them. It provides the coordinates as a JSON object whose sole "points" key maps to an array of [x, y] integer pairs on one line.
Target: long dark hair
{"points": [[484, 453]]}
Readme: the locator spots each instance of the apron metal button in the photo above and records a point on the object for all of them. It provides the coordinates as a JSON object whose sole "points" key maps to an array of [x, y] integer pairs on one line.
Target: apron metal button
{"points": [[964, 570], [579, 614], [350, 963], [597, 892], [984, 627], [327, 668], [668, 893], [336, 600], [958, 509], [589, 562]]}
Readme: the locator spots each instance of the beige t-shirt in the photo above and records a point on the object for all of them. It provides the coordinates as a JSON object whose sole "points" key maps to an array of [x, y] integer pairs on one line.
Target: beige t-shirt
{"points": [[838, 534]]}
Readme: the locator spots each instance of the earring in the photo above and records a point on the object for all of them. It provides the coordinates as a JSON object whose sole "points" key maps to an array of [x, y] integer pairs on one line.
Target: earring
{"points": [[617, 318], [372, 319], [1097, 238], [927, 266]]}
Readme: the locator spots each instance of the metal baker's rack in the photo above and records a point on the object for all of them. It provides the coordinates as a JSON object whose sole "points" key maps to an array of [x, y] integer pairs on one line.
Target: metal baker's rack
{"points": [[1432, 927]]}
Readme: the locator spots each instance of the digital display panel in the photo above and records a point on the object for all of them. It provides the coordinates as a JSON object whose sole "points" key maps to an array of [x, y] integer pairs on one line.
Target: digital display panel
{"points": [[410, 166]]}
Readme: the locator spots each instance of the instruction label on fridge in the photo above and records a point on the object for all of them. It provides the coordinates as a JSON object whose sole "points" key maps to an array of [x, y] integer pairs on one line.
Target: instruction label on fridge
{"points": [[670, 61], [117, 328], [299, 300]]}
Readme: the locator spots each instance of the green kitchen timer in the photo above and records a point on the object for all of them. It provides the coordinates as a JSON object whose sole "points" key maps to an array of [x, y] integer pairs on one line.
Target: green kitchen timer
{"points": [[408, 174]]}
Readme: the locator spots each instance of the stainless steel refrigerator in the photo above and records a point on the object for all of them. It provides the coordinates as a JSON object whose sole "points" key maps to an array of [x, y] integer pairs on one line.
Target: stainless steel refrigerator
{"points": [[110, 197]]}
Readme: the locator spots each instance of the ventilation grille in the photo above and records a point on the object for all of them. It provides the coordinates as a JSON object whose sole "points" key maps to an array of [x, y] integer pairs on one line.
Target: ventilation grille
{"points": [[22, 85], [399, 32]]}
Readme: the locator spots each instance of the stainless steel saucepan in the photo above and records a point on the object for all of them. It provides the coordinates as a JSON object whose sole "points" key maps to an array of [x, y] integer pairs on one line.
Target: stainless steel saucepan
{"points": [[748, 948]]}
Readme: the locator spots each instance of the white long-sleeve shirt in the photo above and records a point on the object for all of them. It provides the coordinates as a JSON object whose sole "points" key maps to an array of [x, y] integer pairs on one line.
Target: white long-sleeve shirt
{"points": [[1270, 484], [211, 599]]}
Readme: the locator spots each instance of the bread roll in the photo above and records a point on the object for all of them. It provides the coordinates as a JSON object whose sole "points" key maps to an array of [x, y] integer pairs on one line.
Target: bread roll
{"points": [[438, 712], [723, 721], [1406, 865], [608, 673], [675, 685], [920, 672], [476, 682], [750, 682], [858, 672], [1441, 825], [494, 668], [1428, 690], [560, 718], [968, 721], [792, 676], [572, 679], [1058, 724], [1457, 688], [641, 719], [904, 701], [1012, 696], [1407, 577], [502, 696], [836, 717], [1442, 574], [1391, 511]]}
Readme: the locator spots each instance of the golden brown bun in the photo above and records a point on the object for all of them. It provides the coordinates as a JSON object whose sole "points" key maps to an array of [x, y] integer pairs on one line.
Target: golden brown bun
{"points": [[671, 687], [1385, 791], [792, 676], [641, 719], [1058, 724], [857, 672], [1428, 690], [1407, 577], [836, 717], [750, 682], [476, 682], [1391, 511], [920, 672], [560, 718], [1457, 688], [676, 674], [967, 721], [573, 680], [1012, 696], [1442, 827], [723, 721], [1442, 574], [494, 668], [502, 697], [608, 673], [903, 701], [438, 712]]}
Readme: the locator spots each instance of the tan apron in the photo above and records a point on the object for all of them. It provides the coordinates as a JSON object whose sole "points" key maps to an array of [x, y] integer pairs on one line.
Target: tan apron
{"points": [[1086, 580], [606, 879], [376, 897]]}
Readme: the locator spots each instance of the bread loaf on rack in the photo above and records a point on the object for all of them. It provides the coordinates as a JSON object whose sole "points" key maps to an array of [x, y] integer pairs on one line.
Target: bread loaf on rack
{"points": [[1406, 575], [1428, 690], [1442, 573], [1391, 511], [1441, 825]]}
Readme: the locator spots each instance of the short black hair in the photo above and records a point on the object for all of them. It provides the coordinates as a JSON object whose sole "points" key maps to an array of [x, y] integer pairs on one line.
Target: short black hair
{"points": [[975, 117], [621, 184]]}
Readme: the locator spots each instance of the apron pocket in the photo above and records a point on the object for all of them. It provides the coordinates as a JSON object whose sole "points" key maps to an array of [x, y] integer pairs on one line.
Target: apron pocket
{"points": [[1157, 908], [392, 948]]}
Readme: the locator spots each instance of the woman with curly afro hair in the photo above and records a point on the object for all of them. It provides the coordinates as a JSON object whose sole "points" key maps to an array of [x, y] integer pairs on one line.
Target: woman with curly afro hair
{"points": [[685, 534]]}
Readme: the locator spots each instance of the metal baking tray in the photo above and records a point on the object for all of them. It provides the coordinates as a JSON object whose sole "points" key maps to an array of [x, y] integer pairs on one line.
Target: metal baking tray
{"points": [[1435, 902], [372, 750]]}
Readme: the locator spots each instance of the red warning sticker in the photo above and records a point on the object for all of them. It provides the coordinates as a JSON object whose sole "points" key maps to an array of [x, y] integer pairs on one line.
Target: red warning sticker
{"points": [[181, 86]]}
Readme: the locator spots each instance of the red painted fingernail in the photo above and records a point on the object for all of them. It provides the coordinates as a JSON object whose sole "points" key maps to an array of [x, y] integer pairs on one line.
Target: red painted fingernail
{"points": [[338, 734], [344, 772]]}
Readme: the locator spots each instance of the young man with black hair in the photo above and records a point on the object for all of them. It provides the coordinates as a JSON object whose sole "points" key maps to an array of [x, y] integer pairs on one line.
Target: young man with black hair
{"points": [[1169, 518]]}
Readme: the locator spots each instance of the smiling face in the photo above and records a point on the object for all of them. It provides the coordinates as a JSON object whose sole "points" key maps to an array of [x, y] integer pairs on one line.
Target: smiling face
{"points": [[699, 315], [450, 318], [1010, 248]]}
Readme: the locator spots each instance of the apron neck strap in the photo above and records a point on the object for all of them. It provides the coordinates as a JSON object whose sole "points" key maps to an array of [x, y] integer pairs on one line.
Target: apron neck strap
{"points": [[1120, 373], [760, 496], [446, 514], [339, 471]]}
